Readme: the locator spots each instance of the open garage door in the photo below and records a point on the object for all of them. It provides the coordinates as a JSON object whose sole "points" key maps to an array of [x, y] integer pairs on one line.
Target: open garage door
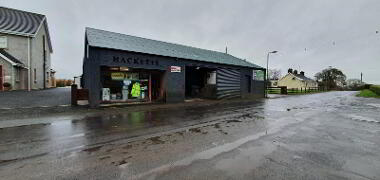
{"points": [[200, 82]]}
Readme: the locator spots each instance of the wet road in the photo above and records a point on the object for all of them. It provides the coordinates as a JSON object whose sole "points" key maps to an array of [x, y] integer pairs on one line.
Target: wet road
{"points": [[331, 135]]}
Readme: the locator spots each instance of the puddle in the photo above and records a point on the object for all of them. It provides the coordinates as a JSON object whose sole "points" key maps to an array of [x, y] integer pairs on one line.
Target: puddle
{"points": [[235, 121], [93, 149], [246, 160], [157, 140], [208, 154], [129, 146], [7, 160], [217, 126], [105, 157], [195, 130]]}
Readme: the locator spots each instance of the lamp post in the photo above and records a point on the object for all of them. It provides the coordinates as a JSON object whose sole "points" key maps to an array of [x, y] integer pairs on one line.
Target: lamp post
{"points": [[267, 80]]}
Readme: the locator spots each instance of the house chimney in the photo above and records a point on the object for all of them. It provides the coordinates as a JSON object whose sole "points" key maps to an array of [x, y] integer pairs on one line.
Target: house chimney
{"points": [[295, 72], [290, 70], [302, 73]]}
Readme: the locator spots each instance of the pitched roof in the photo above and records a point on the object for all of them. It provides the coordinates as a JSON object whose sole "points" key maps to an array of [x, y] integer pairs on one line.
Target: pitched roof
{"points": [[22, 23], [19, 22], [302, 77], [111, 40], [11, 58]]}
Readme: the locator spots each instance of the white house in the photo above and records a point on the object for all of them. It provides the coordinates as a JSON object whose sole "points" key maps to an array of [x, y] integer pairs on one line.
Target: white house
{"points": [[25, 50]]}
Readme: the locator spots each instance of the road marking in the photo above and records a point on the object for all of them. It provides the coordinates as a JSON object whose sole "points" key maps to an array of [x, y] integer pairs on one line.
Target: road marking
{"points": [[363, 119], [374, 105]]}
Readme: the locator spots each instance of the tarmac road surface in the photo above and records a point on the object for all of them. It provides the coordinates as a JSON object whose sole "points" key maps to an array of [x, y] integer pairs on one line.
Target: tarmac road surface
{"points": [[332, 135]]}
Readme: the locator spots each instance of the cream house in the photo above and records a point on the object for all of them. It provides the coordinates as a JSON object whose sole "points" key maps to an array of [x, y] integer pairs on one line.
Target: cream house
{"points": [[297, 80], [25, 50]]}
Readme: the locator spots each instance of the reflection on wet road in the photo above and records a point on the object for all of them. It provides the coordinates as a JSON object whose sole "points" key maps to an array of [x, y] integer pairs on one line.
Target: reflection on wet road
{"points": [[322, 136], [76, 134]]}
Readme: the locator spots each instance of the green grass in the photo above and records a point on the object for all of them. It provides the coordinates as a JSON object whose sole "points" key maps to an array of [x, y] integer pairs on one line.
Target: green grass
{"points": [[375, 89], [367, 93]]}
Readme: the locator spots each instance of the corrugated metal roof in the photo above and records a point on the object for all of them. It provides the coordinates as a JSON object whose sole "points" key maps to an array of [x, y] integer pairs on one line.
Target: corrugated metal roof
{"points": [[106, 39], [19, 22]]}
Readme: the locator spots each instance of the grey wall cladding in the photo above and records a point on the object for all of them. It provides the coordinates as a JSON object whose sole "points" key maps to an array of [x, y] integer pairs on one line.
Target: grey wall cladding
{"points": [[228, 83]]}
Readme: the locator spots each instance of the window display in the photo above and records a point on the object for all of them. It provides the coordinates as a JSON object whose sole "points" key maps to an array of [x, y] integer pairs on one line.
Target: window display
{"points": [[125, 86]]}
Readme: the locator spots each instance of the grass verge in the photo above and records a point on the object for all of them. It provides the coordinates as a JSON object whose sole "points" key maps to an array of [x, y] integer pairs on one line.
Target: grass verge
{"points": [[367, 93]]}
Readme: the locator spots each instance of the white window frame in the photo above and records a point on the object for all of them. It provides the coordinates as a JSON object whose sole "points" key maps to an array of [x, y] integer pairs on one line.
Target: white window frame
{"points": [[6, 42], [17, 74]]}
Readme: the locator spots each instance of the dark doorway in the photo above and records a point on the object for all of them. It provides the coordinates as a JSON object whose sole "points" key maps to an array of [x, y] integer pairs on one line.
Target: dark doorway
{"points": [[157, 92], [200, 82], [249, 85]]}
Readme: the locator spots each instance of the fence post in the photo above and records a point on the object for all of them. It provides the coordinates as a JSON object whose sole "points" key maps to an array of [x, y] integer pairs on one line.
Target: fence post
{"points": [[74, 92]]}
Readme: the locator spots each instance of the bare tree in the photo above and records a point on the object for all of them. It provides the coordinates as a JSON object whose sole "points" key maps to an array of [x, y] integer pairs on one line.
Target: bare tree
{"points": [[274, 74]]}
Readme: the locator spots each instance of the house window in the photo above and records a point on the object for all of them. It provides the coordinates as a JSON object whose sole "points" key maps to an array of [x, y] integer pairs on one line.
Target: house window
{"points": [[17, 75], [3, 42], [47, 77], [35, 75]]}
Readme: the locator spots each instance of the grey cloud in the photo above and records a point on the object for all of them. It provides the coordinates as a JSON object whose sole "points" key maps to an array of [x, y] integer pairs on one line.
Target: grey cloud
{"points": [[250, 28]]}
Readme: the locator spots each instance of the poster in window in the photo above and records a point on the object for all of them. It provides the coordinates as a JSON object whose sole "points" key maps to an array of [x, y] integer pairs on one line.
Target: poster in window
{"points": [[117, 76], [258, 75]]}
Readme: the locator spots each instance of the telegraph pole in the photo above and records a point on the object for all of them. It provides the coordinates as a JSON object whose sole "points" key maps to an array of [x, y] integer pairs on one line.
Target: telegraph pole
{"points": [[361, 78]]}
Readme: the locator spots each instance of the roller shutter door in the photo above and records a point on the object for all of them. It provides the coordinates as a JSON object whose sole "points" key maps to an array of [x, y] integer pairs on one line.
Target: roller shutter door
{"points": [[228, 83]]}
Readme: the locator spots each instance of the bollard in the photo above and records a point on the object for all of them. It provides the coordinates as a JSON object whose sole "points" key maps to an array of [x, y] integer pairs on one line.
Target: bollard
{"points": [[74, 91]]}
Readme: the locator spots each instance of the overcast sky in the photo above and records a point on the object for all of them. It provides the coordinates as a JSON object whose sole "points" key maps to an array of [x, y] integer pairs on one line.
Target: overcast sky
{"points": [[310, 35]]}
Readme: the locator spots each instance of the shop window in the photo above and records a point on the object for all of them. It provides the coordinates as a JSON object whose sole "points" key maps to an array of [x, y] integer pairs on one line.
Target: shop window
{"points": [[124, 86], [211, 77]]}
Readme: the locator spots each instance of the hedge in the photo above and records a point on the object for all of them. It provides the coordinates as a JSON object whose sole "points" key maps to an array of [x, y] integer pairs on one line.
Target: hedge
{"points": [[375, 89]]}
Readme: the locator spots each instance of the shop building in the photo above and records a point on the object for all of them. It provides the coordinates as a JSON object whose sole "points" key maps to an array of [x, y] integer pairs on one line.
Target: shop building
{"points": [[124, 68]]}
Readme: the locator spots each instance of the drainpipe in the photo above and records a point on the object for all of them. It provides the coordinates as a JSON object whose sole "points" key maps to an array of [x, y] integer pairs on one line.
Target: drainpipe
{"points": [[44, 63], [29, 71], [13, 77]]}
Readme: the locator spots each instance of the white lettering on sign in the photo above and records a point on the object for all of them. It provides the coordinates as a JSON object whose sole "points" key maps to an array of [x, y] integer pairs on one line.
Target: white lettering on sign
{"points": [[175, 68], [3, 42]]}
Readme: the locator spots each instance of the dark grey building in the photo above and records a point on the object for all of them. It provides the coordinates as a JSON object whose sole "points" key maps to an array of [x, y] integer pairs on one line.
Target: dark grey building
{"points": [[123, 68]]}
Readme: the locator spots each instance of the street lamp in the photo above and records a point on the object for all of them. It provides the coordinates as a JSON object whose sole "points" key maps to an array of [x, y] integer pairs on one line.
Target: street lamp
{"points": [[267, 81]]}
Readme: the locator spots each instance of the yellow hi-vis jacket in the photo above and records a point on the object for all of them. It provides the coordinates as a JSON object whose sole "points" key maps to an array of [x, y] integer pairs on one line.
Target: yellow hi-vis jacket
{"points": [[135, 90]]}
